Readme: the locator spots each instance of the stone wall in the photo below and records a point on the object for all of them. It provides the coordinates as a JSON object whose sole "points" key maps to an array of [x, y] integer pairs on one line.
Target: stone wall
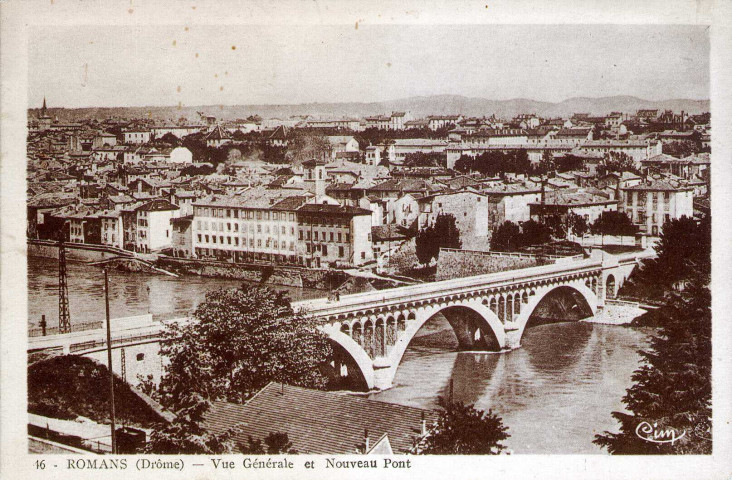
{"points": [[322, 279], [466, 263]]}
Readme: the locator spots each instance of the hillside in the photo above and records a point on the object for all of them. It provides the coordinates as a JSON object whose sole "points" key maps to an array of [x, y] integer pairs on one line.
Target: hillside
{"points": [[419, 106]]}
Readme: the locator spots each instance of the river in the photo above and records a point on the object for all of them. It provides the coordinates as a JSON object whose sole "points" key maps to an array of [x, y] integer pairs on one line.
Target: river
{"points": [[129, 293], [554, 393]]}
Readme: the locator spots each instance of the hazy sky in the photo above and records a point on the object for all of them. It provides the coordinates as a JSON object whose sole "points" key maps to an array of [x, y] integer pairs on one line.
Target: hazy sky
{"points": [[211, 65]]}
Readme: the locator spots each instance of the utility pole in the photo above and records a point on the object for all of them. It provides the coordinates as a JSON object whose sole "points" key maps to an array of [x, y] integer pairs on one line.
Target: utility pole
{"points": [[109, 362], [64, 317]]}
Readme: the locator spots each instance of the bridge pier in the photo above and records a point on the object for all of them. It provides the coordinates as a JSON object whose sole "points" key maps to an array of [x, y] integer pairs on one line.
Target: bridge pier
{"points": [[383, 374]]}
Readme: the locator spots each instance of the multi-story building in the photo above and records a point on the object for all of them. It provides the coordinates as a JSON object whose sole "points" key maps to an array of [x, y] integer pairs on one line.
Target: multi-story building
{"points": [[654, 201], [635, 149], [587, 203], [136, 137], [436, 122], [259, 224], [469, 208], [154, 230], [334, 235], [111, 228]]}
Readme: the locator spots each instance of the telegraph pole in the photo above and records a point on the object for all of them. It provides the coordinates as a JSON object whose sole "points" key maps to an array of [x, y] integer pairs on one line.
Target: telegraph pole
{"points": [[109, 362], [64, 317]]}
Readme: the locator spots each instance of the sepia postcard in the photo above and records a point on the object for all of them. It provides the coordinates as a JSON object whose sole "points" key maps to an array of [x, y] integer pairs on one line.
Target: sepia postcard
{"points": [[340, 239]]}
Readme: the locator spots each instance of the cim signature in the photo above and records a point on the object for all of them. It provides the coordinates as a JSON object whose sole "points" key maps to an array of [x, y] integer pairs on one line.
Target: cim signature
{"points": [[652, 433]]}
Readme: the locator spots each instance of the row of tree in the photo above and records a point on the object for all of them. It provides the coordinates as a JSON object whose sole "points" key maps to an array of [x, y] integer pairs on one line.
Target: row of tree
{"points": [[509, 236]]}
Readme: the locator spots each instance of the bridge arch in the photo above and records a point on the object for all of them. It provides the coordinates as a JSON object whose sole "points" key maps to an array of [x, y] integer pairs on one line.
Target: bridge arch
{"points": [[357, 354], [610, 285], [586, 293], [489, 324]]}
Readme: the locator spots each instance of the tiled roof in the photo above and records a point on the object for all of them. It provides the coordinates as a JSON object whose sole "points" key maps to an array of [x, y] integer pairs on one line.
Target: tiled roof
{"points": [[659, 184], [158, 205], [218, 133], [318, 422], [663, 158], [52, 199], [576, 198], [333, 209]]}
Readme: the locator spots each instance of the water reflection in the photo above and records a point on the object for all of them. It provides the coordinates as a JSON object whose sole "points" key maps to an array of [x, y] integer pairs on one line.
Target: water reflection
{"points": [[129, 293], [555, 393]]}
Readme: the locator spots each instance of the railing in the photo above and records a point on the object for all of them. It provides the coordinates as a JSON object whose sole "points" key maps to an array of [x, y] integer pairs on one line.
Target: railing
{"points": [[507, 254], [446, 287], [78, 327]]}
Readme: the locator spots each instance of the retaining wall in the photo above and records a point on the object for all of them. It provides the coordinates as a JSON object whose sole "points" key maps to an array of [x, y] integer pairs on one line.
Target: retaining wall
{"points": [[466, 263]]}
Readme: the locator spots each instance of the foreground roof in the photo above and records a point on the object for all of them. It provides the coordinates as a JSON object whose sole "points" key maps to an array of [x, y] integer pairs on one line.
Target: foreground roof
{"points": [[318, 422]]}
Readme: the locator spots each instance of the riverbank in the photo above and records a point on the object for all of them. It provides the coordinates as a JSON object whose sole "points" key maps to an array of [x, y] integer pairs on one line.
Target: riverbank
{"points": [[263, 274], [618, 313]]}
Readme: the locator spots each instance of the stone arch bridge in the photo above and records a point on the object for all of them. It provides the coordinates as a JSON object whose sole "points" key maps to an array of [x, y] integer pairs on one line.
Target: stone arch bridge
{"points": [[371, 331]]}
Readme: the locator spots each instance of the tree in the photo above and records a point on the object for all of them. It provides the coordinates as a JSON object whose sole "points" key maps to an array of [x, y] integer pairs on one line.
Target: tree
{"points": [[617, 162], [240, 340], [683, 249], [680, 149], [186, 436], [420, 159], [569, 162], [577, 224], [546, 164], [535, 233], [613, 223], [306, 146], [442, 234], [170, 139], [465, 164], [464, 430], [506, 237], [672, 389]]}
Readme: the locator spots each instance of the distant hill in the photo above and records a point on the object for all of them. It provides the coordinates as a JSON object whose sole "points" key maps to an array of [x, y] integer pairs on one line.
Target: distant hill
{"points": [[419, 106]]}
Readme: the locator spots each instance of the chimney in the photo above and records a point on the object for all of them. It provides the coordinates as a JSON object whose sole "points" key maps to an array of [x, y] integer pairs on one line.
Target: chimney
{"points": [[424, 425], [543, 200], [366, 440]]}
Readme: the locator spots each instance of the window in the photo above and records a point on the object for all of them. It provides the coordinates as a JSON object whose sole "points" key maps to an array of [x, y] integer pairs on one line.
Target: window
{"points": [[236, 227], [300, 235], [284, 230], [229, 240], [339, 237], [236, 241], [331, 236], [228, 226], [206, 238], [340, 252], [363, 255], [140, 357], [325, 249], [221, 239], [214, 238], [348, 238], [259, 229]]}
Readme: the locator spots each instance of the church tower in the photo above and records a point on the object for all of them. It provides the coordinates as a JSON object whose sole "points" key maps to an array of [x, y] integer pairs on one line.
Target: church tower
{"points": [[44, 119]]}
